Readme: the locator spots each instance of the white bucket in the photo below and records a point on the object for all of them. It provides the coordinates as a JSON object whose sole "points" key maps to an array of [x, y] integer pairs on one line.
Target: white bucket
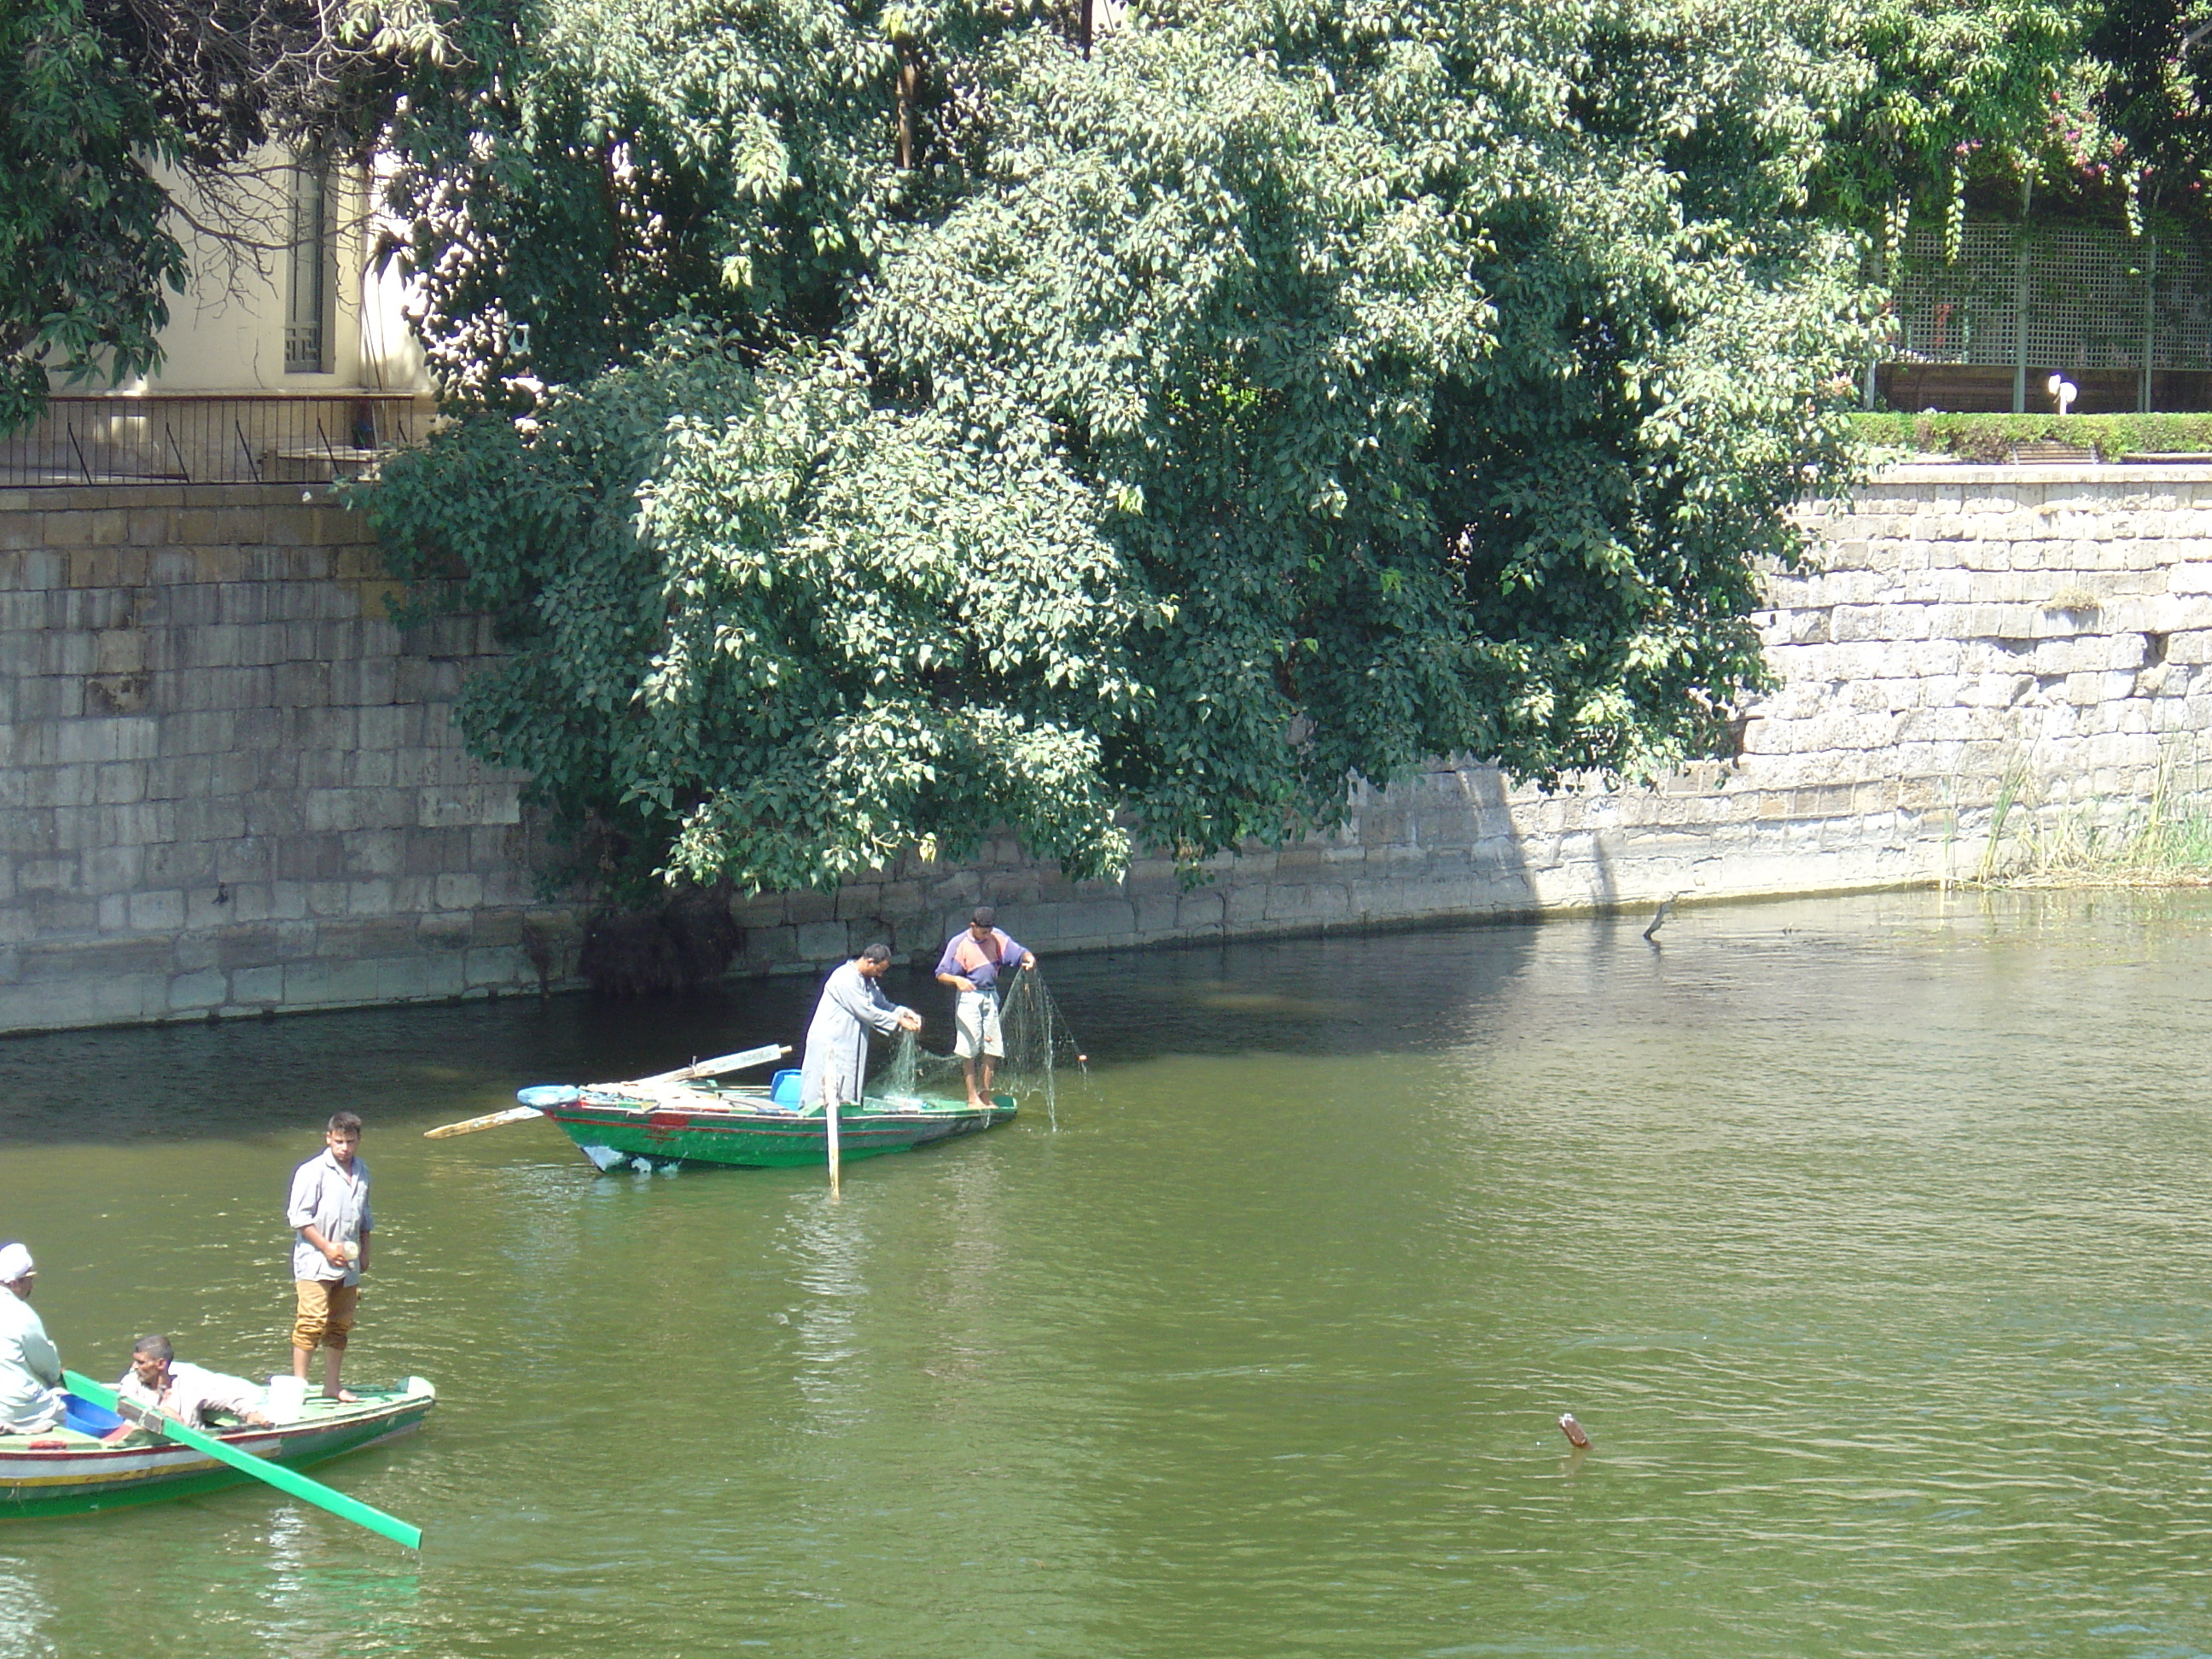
{"points": [[287, 1399]]}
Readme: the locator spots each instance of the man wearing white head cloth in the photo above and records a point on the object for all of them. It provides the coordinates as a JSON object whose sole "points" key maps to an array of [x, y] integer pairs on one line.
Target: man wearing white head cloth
{"points": [[30, 1368]]}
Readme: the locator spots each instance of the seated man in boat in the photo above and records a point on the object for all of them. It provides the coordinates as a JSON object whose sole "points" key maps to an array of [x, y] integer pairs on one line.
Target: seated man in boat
{"points": [[195, 1396], [31, 1398], [853, 1005], [973, 960]]}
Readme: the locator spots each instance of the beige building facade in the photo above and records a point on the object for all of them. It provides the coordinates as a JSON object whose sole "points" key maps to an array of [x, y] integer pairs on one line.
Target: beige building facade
{"points": [[288, 359], [286, 296]]}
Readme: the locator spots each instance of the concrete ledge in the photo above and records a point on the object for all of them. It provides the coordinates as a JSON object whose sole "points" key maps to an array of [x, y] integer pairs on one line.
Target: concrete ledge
{"points": [[2045, 472], [82, 498], [242, 971]]}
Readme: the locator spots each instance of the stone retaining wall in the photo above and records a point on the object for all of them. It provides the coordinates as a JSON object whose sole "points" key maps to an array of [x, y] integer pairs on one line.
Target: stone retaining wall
{"points": [[229, 785]]}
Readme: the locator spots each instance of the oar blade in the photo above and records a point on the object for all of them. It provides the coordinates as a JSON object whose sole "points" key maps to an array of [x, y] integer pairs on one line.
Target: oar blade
{"points": [[469, 1125], [275, 1475]]}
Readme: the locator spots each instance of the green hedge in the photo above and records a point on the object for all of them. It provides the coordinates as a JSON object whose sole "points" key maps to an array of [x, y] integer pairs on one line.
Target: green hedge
{"points": [[1992, 437]]}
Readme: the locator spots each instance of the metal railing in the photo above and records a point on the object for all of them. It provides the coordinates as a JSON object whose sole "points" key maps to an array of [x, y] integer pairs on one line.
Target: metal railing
{"points": [[211, 438]]}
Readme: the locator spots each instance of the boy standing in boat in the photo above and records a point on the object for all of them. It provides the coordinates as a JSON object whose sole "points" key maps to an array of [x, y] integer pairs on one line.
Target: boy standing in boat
{"points": [[835, 1063], [329, 1210], [971, 965]]}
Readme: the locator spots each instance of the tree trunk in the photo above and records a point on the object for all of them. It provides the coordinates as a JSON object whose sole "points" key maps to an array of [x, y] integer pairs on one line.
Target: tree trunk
{"points": [[909, 85]]}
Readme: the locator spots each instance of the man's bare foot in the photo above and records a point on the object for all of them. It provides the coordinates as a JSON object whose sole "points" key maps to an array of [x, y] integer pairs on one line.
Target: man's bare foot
{"points": [[344, 1396]]}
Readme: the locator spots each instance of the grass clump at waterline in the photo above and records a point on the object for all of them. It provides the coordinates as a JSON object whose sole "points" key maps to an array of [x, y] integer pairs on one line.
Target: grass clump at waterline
{"points": [[2164, 841]]}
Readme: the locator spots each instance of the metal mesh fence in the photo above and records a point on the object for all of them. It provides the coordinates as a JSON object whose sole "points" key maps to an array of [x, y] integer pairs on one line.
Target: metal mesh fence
{"points": [[211, 438], [2182, 313], [1962, 311]]}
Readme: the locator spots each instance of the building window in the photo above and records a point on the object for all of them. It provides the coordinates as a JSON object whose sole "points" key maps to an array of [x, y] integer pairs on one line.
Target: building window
{"points": [[312, 263]]}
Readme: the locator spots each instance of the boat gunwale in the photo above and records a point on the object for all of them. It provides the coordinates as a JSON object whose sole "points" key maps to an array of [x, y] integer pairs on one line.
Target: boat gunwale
{"points": [[178, 1462], [639, 1110], [287, 1435]]}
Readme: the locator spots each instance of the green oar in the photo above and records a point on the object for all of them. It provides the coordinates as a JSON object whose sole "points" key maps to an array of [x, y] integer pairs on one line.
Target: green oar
{"points": [[284, 1479]]}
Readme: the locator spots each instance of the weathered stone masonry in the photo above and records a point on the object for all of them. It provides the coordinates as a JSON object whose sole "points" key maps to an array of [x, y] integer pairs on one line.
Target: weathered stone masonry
{"points": [[228, 784]]}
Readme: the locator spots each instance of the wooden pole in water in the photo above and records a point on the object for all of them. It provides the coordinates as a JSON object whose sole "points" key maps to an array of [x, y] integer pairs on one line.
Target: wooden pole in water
{"points": [[829, 1109]]}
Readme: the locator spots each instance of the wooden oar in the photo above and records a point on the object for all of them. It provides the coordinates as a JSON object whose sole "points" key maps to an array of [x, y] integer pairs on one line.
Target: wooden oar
{"points": [[714, 1067], [491, 1121], [284, 1479], [829, 1124], [721, 1063]]}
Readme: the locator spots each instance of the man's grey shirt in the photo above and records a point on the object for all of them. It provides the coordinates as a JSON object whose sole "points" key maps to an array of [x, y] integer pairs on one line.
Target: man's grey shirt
{"points": [[323, 1197], [30, 1368]]}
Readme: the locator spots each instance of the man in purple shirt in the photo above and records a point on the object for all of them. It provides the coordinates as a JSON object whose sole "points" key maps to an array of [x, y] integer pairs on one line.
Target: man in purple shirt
{"points": [[971, 965]]}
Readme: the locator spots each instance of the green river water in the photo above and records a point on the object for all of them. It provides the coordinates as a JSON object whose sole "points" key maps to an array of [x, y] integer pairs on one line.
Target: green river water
{"points": [[1868, 1238]]}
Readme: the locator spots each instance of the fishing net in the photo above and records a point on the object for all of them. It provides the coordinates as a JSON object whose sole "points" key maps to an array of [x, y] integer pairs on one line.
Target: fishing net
{"points": [[1038, 1042]]}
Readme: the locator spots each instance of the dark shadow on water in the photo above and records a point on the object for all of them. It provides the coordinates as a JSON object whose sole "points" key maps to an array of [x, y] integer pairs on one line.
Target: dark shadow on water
{"points": [[252, 1077], [1396, 992], [1345, 995]]}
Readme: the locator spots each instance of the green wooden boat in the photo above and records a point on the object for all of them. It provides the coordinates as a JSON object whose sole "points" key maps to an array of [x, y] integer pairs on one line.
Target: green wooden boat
{"points": [[659, 1126], [65, 1472]]}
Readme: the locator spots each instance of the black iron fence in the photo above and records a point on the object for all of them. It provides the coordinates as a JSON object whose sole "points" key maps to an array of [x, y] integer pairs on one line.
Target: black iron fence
{"points": [[205, 438]]}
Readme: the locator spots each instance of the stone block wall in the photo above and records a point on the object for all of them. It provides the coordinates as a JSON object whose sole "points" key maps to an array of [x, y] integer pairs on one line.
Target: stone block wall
{"points": [[229, 785], [227, 782]]}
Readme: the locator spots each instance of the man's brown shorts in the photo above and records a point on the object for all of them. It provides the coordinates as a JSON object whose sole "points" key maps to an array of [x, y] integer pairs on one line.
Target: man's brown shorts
{"points": [[325, 1312]]}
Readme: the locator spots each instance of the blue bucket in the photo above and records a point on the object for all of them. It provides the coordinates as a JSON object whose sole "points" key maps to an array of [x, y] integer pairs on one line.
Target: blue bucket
{"points": [[783, 1088], [87, 1418]]}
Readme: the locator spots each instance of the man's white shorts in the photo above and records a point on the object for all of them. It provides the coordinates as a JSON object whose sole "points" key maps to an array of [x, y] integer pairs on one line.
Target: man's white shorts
{"points": [[975, 1025]]}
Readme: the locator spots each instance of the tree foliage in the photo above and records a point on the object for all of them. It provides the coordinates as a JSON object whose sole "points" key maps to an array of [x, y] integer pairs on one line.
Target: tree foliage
{"points": [[1957, 92], [104, 103], [86, 262], [1282, 394], [2154, 96]]}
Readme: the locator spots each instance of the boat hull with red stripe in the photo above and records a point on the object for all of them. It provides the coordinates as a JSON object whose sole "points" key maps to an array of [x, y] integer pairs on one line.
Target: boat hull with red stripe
{"points": [[45, 1476], [745, 1127]]}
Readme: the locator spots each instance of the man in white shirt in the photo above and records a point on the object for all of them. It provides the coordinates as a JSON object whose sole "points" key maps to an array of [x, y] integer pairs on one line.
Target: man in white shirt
{"points": [[835, 1063], [329, 1210], [31, 1401], [159, 1380]]}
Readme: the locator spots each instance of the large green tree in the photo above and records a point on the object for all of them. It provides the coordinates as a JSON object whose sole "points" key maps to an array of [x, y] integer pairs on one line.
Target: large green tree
{"points": [[880, 423], [86, 261], [2154, 96], [1957, 94]]}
